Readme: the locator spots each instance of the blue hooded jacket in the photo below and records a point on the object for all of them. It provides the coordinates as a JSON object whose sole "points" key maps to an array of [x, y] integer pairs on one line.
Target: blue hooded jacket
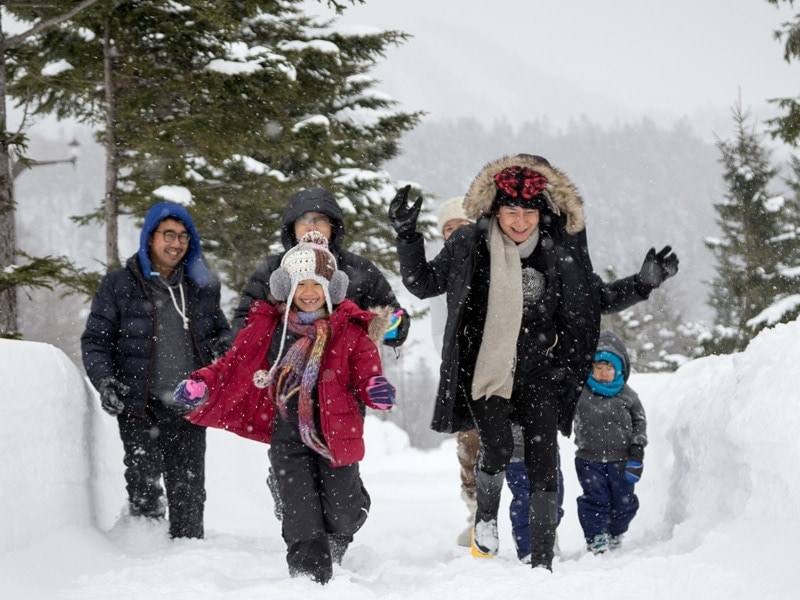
{"points": [[196, 269], [118, 339]]}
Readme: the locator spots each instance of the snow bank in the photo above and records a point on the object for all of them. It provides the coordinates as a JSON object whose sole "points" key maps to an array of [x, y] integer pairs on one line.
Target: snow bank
{"points": [[45, 439]]}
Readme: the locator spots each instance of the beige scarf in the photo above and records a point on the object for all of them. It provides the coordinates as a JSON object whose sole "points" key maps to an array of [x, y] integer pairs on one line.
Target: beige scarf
{"points": [[494, 371]]}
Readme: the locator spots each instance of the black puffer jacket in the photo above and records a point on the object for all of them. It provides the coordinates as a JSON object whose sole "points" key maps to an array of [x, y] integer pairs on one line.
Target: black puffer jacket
{"points": [[584, 296], [118, 339], [367, 288]]}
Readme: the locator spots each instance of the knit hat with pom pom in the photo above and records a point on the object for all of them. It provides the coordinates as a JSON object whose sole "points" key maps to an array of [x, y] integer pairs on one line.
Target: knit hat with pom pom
{"points": [[309, 259]]}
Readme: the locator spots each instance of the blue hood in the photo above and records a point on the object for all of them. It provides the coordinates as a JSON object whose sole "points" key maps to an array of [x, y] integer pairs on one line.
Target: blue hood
{"points": [[196, 269]]}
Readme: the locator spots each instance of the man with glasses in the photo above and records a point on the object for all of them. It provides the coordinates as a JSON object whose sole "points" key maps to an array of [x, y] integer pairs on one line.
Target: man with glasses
{"points": [[152, 323]]}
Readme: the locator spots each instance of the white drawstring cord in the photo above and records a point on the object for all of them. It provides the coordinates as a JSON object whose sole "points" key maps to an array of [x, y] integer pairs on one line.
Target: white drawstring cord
{"points": [[182, 313]]}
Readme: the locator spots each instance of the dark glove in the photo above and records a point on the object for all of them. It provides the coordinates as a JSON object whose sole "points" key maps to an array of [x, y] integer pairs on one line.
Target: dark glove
{"points": [[380, 392], [404, 217], [189, 394], [218, 347], [656, 268], [110, 390], [633, 471]]}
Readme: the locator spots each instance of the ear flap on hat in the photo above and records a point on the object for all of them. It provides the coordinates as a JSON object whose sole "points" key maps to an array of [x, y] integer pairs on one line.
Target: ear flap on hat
{"points": [[280, 284], [337, 288]]}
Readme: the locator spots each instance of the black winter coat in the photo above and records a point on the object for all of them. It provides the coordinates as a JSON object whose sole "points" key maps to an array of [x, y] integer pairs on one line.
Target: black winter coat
{"points": [[584, 296], [118, 339]]}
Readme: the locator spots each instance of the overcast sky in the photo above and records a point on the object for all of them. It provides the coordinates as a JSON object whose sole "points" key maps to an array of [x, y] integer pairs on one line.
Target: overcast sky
{"points": [[607, 60]]}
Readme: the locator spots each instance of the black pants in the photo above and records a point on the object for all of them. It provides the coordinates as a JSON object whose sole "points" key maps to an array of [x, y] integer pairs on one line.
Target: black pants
{"points": [[165, 444], [534, 407], [323, 506]]}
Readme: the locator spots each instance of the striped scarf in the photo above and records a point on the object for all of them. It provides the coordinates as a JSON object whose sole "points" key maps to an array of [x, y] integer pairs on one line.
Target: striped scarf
{"points": [[297, 373]]}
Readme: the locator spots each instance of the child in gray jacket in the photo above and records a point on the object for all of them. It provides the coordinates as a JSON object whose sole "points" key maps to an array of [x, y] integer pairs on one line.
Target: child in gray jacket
{"points": [[610, 435]]}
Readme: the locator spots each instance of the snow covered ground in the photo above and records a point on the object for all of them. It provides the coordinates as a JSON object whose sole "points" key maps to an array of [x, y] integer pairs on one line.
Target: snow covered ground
{"points": [[720, 496]]}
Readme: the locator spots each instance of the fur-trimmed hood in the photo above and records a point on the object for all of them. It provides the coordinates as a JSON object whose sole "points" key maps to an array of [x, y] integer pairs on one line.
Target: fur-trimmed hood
{"points": [[560, 191]]}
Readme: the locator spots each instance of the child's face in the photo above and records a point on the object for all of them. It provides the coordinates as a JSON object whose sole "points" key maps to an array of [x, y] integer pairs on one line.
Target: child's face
{"points": [[603, 371], [309, 296]]}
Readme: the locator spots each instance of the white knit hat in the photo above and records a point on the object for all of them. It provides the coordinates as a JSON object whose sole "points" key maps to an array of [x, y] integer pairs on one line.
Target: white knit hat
{"points": [[451, 209], [309, 259]]}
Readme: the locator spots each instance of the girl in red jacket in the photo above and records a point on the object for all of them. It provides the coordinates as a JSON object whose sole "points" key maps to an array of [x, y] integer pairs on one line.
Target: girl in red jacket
{"points": [[297, 377]]}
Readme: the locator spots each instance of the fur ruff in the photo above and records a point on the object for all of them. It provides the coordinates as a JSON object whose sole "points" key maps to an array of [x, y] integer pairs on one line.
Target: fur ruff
{"points": [[377, 326], [562, 192]]}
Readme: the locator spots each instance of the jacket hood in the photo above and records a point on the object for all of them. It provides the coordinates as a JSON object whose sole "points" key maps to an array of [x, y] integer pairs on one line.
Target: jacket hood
{"points": [[313, 200], [611, 342], [560, 191], [196, 269]]}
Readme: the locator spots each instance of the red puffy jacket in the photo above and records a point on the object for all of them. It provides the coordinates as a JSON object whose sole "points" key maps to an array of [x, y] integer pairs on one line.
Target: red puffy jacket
{"points": [[350, 359]]}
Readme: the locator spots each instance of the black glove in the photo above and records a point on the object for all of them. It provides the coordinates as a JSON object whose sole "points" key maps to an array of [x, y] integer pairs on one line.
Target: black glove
{"points": [[219, 346], [404, 217], [656, 268], [110, 390]]}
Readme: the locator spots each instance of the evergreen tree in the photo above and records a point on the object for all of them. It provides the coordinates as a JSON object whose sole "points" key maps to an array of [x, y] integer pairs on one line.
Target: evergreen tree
{"points": [[787, 127], [238, 104], [17, 270], [756, 249], [657, 336]]}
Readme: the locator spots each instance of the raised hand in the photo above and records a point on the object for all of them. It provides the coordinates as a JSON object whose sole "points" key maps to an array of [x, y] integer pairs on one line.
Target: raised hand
{"points": [[656, 268], [404, 217]]}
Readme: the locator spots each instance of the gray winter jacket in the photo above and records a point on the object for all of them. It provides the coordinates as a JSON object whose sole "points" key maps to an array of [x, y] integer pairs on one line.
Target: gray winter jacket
{"points": [[610, 428]]}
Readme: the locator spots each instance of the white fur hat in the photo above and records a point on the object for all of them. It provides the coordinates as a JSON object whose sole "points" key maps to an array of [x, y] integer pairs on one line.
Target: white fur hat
{"points": [[309, 259], [451, 209]]}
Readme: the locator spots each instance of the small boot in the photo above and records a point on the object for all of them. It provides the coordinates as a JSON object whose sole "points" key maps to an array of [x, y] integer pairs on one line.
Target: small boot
{"points": [[544, 519], [598, 544], [485, 542]]}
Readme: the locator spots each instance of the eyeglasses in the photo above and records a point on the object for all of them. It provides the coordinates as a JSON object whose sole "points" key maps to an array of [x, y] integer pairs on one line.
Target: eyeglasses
{"points": [[306, 220], [170, 236]]}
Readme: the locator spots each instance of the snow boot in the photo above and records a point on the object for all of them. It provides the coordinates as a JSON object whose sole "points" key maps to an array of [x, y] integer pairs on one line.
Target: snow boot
{"points": [[598, 544], [485, 542], [544, 520]]}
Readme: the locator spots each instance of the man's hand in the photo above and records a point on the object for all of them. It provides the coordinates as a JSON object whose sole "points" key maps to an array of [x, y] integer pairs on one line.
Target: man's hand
{"points": [[110, 391]]}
